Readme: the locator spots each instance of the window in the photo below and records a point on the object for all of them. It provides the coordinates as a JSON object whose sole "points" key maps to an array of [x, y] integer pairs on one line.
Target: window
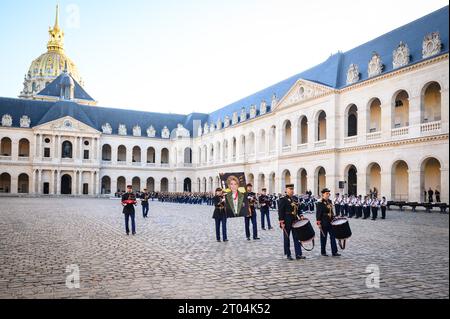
{"points": [[47, 152], [86, 154], [67, 150]]}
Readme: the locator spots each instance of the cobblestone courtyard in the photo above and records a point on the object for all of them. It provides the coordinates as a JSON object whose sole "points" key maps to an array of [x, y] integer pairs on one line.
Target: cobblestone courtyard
{"points": [[175, 255]]}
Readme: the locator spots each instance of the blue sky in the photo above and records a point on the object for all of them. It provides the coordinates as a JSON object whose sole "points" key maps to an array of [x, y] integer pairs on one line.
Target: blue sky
{"points": [[185, 56]]}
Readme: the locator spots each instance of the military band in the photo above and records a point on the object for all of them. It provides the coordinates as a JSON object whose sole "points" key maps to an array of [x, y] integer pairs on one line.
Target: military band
{"points": [[287, 215], [324, 217], [291, 208]]}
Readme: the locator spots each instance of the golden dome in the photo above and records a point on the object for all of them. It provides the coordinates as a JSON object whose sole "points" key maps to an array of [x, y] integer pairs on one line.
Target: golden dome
{"points": [[51, 64]]}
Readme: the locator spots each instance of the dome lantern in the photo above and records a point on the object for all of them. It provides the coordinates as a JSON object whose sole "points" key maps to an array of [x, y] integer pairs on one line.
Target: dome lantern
{"points": [[48, 66], [56, 42]]}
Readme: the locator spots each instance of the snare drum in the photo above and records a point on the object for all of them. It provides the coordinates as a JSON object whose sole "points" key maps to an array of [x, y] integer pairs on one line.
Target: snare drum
{"points": [[304, 232], [342, 231]]}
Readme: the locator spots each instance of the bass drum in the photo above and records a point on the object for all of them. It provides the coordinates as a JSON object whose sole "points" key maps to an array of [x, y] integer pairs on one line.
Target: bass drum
{"points": [[304, 232], [342, 231]]}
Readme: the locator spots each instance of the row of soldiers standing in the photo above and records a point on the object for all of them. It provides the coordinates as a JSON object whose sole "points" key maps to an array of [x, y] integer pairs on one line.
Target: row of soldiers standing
{"points": [[306, 201], [359, 207]]}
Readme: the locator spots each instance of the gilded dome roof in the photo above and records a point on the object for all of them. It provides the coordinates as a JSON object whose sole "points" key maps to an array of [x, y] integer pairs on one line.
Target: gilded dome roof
{"points": [[52, 63]]}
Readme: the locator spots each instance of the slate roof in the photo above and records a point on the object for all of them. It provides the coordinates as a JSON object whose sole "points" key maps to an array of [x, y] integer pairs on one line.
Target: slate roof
{"points": [[41, 112], [54, 89]]}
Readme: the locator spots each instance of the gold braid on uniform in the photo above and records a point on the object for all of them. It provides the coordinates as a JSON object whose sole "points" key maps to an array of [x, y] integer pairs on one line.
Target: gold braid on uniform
{"points": [[294, 205], [330, 210]]}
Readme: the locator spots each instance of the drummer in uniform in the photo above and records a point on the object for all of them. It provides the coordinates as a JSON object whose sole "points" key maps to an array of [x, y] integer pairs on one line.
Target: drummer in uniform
{"points": [[287, 215], [325, 216]]}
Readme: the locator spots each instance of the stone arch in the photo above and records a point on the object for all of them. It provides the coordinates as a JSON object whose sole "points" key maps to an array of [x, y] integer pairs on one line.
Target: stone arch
{"points": [[430, 176], [302, 130], [121, 184], [351, 121], [400, 109], [5, 146], [373, 178], [374, 116], [122, 153], [285, 179], [136, 156], [430, 106], [320, 179], [106, 153], [302, 181], [287, 134], [321, 126], [106, 185], [351, 178], [24, 148], [164, 185], [400, 180], [23, 184]]}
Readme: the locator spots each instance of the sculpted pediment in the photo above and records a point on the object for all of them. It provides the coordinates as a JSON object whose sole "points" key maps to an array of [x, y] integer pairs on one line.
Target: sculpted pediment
{"points": [[66, 124], [302, 91]]}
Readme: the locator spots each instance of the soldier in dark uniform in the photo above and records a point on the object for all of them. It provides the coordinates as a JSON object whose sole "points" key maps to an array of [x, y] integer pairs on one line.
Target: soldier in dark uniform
{"points": [[264, 203], [128, 203], [437, 193], [430, 195], [220, 215], [251, 216], [383, 205], [144, 202], [287, 215], [325, 216], [366, 207]]}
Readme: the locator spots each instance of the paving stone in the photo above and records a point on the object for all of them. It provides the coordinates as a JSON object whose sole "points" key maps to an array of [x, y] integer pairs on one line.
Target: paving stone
{"points": [[175, 255]]}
